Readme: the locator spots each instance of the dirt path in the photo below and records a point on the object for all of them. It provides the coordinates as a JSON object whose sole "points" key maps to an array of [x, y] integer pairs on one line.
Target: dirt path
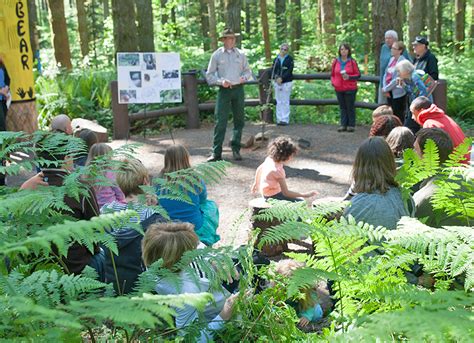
{"points": [[324, 167]]}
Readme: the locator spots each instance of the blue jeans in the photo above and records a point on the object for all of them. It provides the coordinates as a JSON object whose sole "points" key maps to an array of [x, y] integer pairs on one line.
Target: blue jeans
{"points": [[347, 107]]}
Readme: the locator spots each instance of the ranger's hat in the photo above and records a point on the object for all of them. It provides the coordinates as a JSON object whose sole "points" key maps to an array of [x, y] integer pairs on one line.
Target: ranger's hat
{"points": [[420, 40], [228, 33]]}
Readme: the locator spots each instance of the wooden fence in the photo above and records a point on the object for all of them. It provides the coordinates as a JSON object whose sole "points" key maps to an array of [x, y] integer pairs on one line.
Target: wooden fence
{"points": [[191, 107]]}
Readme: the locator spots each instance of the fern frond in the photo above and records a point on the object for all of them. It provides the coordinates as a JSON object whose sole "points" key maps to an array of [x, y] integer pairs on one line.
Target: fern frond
{"points": [[63, 235], [458, 156], [146, 311]]}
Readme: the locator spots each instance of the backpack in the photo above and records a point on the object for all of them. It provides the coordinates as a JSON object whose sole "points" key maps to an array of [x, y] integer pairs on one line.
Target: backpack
{"points": [[128, 263]]}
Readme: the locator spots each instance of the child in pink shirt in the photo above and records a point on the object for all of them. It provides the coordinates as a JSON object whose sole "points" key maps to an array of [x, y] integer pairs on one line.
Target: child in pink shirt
{"points": [[270, 178], [105, 194]]}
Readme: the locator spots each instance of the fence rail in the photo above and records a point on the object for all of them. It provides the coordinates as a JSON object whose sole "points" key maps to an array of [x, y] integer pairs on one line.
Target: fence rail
{"points": [[190, 82]]}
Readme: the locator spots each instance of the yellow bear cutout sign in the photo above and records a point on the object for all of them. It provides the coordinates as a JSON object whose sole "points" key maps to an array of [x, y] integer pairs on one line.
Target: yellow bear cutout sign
{"points": [[15, 48]]}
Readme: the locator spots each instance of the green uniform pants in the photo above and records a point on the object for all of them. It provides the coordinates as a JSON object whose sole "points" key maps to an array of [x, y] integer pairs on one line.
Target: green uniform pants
{"points": [[229, 99]]}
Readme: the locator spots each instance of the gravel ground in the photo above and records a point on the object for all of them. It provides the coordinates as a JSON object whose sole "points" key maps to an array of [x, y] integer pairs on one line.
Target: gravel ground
{"points": [[324, 167]]}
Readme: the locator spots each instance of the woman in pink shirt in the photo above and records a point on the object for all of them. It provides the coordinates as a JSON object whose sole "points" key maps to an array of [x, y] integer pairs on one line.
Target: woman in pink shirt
{"points": [[270, 178]]}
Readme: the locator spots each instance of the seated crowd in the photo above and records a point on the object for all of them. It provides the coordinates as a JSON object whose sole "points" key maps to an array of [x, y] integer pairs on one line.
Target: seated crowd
{"points": [[374, 194]]}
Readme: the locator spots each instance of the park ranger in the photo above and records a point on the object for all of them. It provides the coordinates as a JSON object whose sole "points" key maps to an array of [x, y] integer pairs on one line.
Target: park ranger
{"points": [[228, 69]]}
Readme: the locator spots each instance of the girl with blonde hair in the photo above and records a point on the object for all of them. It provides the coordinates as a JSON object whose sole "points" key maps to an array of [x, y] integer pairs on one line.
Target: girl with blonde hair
{"points": [[200, 211]]}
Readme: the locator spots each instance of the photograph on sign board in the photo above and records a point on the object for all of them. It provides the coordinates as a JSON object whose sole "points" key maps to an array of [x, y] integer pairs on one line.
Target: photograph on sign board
{"points": [[136, 79], [128, 60], [171, 74], [150, 61], [171, 95], [127, 95]]}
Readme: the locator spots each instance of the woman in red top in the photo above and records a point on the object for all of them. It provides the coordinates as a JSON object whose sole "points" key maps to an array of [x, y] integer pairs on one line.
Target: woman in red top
{"points": [[344, 76]]}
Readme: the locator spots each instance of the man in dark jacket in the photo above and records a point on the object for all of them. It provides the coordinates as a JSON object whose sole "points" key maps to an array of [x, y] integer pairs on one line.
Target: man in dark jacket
{"points": [[424, 58]]}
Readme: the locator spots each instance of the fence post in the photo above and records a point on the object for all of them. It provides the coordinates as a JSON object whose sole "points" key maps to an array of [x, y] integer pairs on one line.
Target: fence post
{"points": [[120, 114], [191, 100], [266, 113], [440, 95]]}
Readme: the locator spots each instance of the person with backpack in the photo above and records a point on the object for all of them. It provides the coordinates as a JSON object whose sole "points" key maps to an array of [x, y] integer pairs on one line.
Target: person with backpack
{"points": [[123, 269]]}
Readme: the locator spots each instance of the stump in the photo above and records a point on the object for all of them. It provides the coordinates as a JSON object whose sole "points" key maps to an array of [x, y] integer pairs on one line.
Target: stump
{"points": [[100, 131], [269, 250], [22, 116]]}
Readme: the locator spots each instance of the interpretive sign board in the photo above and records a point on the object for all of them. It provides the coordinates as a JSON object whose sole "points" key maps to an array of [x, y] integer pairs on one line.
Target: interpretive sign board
{"points": [[148, 77]]}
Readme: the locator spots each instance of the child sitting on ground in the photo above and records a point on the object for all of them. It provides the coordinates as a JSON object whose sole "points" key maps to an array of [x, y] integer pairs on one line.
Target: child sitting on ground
{"points": [[105, 194], [270, 178], [309, 309]]}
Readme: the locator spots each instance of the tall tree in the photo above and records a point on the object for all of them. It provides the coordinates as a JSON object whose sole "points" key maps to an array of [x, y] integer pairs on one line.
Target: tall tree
{"points": [[366, 27], [280, 14], [297, 25], [431, 19], [460, 24], [343, 8], [353, 10], [266, 30], [62, 52], [233, 9], [82, 27], [204, 15], [106, 8], [471, 30], [385, 16], [439, 21], [125, 29], [145, 25], [164, 12], [212, 23], [328, 22], [33, 23], [415, 18], [248, 16]]}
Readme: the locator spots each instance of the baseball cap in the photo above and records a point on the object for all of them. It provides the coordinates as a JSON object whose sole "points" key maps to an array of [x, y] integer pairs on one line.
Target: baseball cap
{"points": [[420, 40]]}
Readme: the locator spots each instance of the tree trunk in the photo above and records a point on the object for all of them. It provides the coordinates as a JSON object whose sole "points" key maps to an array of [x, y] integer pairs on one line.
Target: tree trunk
{"points": [[328, 23], [212, 24], [106, 8], [266, 31], [344, 13], [296, 25], [353, 10], [62, 52], [471, 30], [319, 25], [415, 15], [33, 22], [459, 26], [164, 13], [125, 29], [367, 35], [280, 14], [145, 26], [431, 19], [248, 15], [385, 16], [204, 24], [439, 21], [82, 27], [233, 17]]}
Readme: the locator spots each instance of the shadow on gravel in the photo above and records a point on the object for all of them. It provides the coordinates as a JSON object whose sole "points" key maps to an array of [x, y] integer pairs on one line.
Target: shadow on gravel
{"points": [[306, 173]]}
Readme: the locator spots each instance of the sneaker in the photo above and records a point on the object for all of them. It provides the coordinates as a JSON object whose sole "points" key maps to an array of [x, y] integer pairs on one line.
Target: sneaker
{"points": [[342, 129], [214, 158], [237, 156], [350, 129], [282, 123]]}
